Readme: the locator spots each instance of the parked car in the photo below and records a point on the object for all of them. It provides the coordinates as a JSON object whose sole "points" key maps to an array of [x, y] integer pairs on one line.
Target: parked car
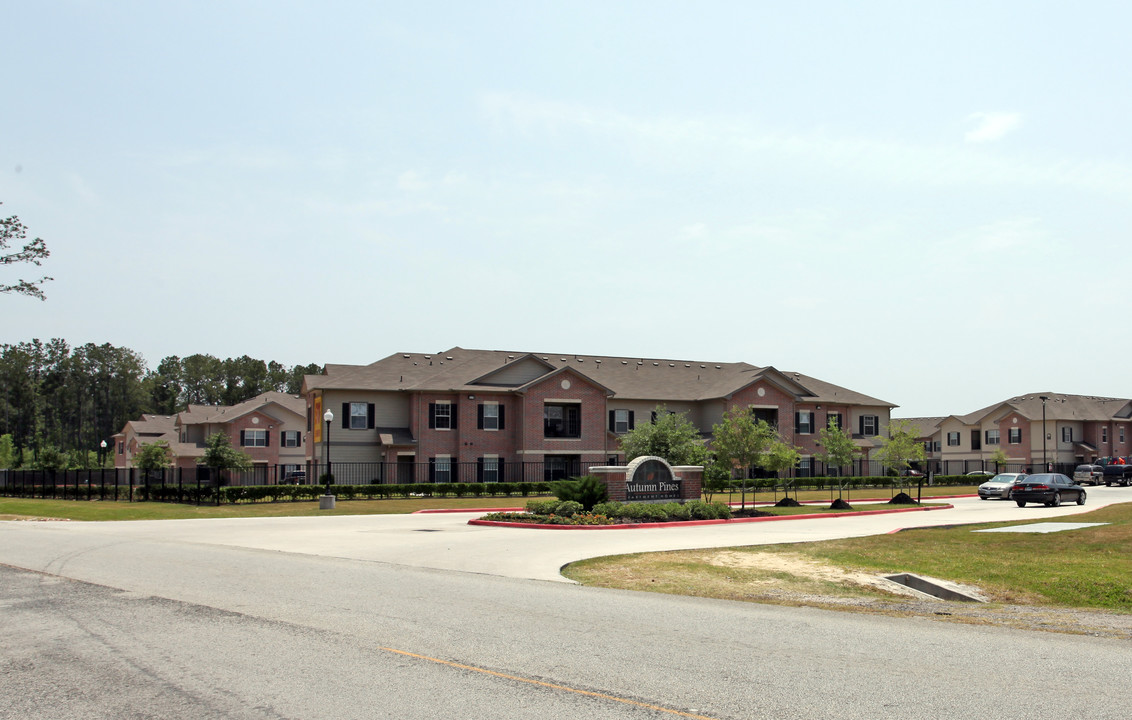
{"points": [[1050, 489], [1092, 474], [980, 472], [296, 477], [1117, 470], [1000, 486]]}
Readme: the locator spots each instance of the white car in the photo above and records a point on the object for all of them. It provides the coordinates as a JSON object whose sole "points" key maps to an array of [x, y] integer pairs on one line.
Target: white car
{"points": [[1000, 486]]}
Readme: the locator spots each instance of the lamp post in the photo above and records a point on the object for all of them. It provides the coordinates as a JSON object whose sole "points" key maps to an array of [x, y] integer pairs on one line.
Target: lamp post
{"points": [[1045, 463], [101, 454], [327, 501]]}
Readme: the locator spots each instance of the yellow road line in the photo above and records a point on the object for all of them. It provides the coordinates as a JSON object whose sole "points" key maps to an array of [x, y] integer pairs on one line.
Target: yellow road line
{"points": [[552, 686]]}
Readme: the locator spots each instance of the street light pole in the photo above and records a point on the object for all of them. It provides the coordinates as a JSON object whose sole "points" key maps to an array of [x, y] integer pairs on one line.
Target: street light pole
{"points": [[1045, 463], [327, 501], [101, 454]]}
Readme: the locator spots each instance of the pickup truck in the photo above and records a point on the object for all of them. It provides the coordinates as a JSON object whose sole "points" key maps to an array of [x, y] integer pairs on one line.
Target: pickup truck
{"points": [[1117, 471]]}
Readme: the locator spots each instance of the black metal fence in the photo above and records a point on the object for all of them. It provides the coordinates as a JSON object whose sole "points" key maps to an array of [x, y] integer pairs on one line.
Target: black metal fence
{"points": [[128, 484]]}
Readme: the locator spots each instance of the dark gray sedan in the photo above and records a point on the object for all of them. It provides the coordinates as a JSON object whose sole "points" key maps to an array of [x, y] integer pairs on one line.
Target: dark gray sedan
{"points": [[1050, 489]]}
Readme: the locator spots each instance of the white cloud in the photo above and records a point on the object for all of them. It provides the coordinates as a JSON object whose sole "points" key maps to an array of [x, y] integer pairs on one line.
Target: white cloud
{"points": [[991, 126], [412, 181]]}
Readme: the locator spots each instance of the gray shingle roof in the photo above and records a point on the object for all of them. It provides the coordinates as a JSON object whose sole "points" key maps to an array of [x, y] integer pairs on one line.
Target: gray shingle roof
{"points": [[633, 378]]}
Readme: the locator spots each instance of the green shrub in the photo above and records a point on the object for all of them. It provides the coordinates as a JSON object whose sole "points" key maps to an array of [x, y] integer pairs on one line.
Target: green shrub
{"points": [[542, 507], [569, 508], [610, 508], [587, 490]]}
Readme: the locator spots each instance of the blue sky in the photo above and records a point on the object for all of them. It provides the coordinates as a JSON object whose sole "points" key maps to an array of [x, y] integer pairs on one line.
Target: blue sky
{"points": [[930, 205]]}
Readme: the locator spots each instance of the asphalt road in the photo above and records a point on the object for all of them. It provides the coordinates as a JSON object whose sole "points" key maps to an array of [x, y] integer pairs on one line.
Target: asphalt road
{"points": [[417, 616]]}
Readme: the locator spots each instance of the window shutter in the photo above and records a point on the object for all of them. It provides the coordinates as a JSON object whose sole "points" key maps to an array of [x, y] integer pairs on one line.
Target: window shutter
{"points": [[501, 418], [267, 438], [479, 466], [371, 413], [500, 475], [861, 425], [612, 421], [242, 443], [432, 416], [432, 469], [479, 420], [346, 416], [454, 413], [632, 419], [797, 422], [653, 416]]}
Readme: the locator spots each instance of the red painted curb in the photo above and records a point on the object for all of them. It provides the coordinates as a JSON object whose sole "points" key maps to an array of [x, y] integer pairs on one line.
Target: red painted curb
{"points": [[693, 523], [437, 511]]}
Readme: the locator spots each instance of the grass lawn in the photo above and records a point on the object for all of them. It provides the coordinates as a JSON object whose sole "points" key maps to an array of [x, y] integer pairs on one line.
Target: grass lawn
{"points": [[1087, 568], [14, 508]]}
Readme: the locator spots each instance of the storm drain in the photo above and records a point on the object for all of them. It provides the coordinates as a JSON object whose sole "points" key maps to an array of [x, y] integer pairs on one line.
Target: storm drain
{"points": [[936, 588]]}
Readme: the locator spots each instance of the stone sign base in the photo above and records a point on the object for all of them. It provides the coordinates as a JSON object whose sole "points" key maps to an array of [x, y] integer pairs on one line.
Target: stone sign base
{"points": [[652, 480]]}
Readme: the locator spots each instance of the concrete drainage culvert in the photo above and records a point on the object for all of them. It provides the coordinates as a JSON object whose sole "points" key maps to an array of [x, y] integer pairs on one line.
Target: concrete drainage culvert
{"points": [[941, 589]]}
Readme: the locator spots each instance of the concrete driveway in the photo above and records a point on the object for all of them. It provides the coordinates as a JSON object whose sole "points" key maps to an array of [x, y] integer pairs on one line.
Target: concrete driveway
{"points": [[446, 541]]}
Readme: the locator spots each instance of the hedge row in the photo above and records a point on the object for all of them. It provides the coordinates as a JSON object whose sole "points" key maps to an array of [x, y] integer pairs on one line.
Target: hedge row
{"points": [[282, 493], [825, 483]]}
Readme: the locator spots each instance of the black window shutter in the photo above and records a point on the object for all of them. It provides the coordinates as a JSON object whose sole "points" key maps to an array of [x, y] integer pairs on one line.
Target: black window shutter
{"points": [[500, 475], [861, 425], [797, 422], [612, 421], [501, 418], [371, 412], [267, 438], [653, 416], [432, 469], [479, 468], [632, 419], [242, 443], [452, 422], [345, 416], [479, 418], [432, 416]]}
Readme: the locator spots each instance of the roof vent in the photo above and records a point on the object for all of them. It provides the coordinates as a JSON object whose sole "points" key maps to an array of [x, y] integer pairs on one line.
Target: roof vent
{"points": [[428, 357], [448, 358], [405, 356], [687, 365], [656, 364], [624, 362], [598, 362], [671, 364]]}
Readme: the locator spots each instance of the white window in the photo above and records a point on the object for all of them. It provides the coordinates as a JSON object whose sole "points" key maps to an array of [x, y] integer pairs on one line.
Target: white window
{"points": [[1104, 435], [953, 439], [442, 417], [292, 438], [869, 425], [805, 422], [620, 421], [359, 416], [490, 416], [1015, 436], [1121, 434], [993, 437], [490, 469], [1067, 434], [254, 438], [443, 469]]}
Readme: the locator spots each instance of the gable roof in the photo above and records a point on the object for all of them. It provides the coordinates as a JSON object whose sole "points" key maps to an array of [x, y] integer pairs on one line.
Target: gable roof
{"points": [[210, 414], [460, 370], [1058, 406]]}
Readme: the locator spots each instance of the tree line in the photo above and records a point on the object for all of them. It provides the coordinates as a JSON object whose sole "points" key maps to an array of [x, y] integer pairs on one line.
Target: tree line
{"points": [[60, 400]]}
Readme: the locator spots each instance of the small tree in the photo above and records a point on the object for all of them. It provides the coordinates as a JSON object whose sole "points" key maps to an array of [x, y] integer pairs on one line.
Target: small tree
{"points": [[838, 450], [7, 452], [154, 456], [219, 456], [998, 457], [739, 441], [671, 436], [780, 457], [900, 448]]}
